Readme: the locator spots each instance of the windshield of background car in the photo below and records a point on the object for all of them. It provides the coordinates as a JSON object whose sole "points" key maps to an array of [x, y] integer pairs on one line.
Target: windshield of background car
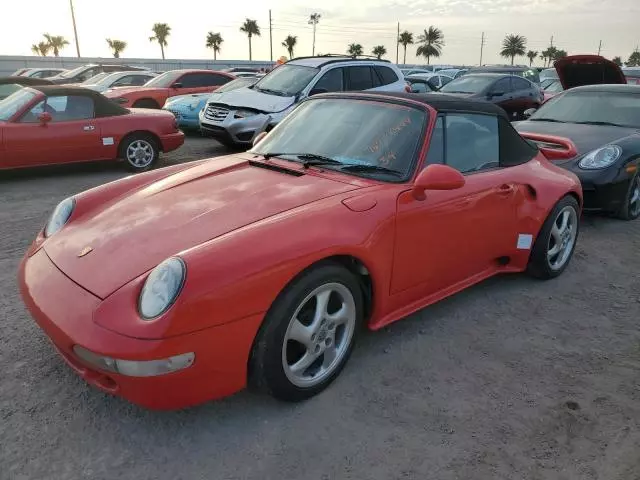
{"points": [[94, 79], [14, 102], [73, 73], [286, 80], [235, 84], [468, 84], [615, 108], [554, 87], [165, 80], [352, 132]]}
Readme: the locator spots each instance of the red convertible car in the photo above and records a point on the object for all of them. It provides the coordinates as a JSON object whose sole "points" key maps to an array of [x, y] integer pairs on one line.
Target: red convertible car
{"points": [[357, 210], [45, 125], [154, 93]]}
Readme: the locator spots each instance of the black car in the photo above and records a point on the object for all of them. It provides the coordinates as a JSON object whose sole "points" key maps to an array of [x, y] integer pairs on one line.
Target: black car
{"points": [[594, 131], [85, 72], [8, 85], [529, 73], [513, 93]]}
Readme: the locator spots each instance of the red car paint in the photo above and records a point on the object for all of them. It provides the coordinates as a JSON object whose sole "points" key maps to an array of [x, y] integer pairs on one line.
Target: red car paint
{"points": [[155, 97], [198, 211], [25, 145]]}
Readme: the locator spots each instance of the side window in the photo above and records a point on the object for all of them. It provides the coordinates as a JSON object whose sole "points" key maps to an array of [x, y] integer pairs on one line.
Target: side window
{"points": [[445, 79], [418, 87], [64, 108], [125, 81], [32, 115], [359, 78], [189, 80], [87, 74], [436, 145], [520, 83], [139, 80], [531, 75], [502, 86], [332, 81], [386, 75], [472, 142]]}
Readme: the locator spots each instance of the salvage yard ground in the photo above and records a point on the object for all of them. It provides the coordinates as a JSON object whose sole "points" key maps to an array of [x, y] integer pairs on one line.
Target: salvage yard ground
{"points": [[512, 379]]}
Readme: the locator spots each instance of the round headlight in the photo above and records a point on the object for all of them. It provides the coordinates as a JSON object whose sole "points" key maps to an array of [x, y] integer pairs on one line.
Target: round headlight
{"points": [[162, 287], [601, 157], [60, 216]]}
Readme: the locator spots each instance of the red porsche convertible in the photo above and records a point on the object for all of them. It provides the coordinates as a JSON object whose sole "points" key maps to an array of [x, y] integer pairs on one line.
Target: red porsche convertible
{"points": [[45, 125], [356, 210]]}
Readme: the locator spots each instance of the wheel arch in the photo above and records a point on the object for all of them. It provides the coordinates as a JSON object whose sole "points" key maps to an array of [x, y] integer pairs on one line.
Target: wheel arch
{"points": [[146, 99]]}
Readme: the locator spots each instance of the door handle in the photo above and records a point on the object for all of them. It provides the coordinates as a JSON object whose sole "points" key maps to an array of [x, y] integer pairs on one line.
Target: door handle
{"points": [[506, 189], [88, 128]]}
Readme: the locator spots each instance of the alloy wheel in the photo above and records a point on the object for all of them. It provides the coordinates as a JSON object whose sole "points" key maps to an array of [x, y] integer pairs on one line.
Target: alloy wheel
{"points": [[562, 238]]}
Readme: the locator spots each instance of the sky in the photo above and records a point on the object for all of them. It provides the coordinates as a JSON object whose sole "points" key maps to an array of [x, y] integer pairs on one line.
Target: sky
{"points": [[577, 26]]}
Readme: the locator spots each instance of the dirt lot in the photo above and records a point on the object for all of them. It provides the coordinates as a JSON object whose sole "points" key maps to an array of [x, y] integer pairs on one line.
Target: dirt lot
{"points": [[513, 379]]}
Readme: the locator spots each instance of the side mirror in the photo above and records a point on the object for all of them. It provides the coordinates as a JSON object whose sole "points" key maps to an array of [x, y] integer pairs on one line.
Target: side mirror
{"points": [[529, 111], [437, 177], [258, 138], [44, 118], [316, 91], [176, 85]]}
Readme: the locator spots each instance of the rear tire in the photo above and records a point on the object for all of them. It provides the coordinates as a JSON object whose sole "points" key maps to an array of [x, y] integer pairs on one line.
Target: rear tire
{"points": [[556, 242], [630, 209], [308, 334], [140, 152], [146, 103]]}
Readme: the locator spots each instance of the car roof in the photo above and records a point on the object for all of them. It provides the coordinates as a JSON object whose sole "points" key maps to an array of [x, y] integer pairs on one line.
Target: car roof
{"points": [[320, 61], [438, 101], [499, 68], [471, 73], [608, 88], [18, 80], [103, 106]]}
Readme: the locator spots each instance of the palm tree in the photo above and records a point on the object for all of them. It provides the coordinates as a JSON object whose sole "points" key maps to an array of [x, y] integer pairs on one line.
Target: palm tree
{"points": [[56, 43], [355, 49], [117, 46], [532, 56], [160, 33], [513, 46], [214, 40], [634, 59], [431, 43], [251, 28], [405, 38], [549, 55], [379, 51], [617, 61], [560, 54], [290, 43], [41, 48], [314, 18]]}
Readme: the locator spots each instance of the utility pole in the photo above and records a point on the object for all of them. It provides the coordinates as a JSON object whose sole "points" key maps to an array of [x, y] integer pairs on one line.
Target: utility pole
{"points": [[599, 47], [75, 31], [271, 37], [314, 18], [481, 48], [398, 44], [551, 43]]}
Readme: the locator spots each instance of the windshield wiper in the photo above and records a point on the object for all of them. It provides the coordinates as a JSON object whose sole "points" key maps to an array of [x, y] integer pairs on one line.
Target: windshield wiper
{"points": [[601, 123], [372, 168], [274, 92], [308, 159], [553, 120]]}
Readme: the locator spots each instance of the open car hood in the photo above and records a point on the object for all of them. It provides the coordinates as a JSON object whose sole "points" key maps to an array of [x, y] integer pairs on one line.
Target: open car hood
{"points": [[250, 98], [579, 70]]}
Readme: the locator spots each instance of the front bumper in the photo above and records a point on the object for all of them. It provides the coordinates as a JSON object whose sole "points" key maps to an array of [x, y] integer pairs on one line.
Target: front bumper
{"points": [[239, 131], [65, 313], [172, 141], [603, 190], [187, 120]]}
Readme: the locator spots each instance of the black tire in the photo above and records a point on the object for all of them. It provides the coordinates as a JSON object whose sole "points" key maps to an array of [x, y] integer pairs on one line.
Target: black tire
{"points": [[143, 138], [627, 210], [539, 264], [266, 364], [146, 103]]}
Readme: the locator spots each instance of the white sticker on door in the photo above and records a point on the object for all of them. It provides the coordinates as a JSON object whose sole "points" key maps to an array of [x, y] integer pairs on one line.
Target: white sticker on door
{"points": [[524, 241], [107, 141]]}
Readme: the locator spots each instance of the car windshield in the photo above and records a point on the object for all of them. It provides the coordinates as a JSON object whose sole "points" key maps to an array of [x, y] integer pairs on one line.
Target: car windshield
{"points": [[286, 80], [554, 87], [369, 138], [14, 102], [94, 79], [449, 72], [165, 80], [604, 108], [235, 84], [73, 73], [468, 84]]}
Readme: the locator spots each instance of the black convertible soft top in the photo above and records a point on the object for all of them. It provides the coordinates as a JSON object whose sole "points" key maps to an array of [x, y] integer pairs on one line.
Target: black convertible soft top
{"points": [[103, 106], [24, 81]]}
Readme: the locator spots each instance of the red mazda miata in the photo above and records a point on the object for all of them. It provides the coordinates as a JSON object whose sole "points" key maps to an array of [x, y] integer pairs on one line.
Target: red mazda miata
{"points": [[45, 125], [261, 267]]}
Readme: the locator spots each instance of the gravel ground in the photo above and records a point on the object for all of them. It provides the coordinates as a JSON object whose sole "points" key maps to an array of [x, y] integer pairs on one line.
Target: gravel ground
{"points": [[512, 379]]}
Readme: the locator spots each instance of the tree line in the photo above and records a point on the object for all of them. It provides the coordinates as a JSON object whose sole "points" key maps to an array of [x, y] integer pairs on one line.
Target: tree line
{"points": [[430, 44]]}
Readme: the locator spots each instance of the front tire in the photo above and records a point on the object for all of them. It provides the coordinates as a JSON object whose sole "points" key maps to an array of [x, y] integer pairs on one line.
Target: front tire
{"points": [[630, 209], [140, 152], [556, 241], [308, 334]]}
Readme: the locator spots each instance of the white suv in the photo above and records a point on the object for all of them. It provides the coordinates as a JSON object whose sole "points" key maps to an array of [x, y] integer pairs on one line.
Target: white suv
{"points": [[235, 117]]}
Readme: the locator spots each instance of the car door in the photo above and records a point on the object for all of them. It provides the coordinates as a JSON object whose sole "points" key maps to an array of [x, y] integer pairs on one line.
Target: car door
{"points": [[359, 78], [72, 135], [525, 95], [454, 236], [200, 82], [332, 80], [501, 93]]}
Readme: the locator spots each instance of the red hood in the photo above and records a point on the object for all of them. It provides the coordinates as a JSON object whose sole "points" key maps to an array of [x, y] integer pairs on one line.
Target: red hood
{"points": [[134, 233], [579, 70]]}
